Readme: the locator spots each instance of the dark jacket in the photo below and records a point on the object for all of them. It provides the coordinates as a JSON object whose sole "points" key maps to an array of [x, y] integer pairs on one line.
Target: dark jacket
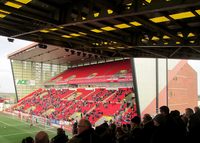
{"points": [[88, 136], [62, 138]]}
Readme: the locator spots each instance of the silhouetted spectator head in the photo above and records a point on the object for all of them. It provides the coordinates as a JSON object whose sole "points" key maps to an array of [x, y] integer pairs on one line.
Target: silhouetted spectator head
{"points": [[23, 140], [41, 137], [175, 113], [188, 112], [83, 125], [61, 137], [128, 126], [135, 121], [60, 131], [159, 119], [146, 118], [196, 109], [164, 110], [28, 140]]}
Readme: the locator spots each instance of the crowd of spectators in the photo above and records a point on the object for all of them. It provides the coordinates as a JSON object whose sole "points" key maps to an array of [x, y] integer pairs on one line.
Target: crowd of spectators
{"points": [[53, 104], [165, 127]]}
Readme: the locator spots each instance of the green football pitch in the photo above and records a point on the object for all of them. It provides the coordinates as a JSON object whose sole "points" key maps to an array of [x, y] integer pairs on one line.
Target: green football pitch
{"points": [[12, 130]]}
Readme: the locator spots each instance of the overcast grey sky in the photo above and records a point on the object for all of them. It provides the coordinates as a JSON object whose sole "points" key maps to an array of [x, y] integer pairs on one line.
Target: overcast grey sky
{"points": [[6, 80]]}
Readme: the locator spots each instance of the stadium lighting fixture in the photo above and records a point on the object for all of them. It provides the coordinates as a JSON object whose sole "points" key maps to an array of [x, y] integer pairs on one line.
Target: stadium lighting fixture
{"points": [[4, 12], [120, 47], [144, 40], [129, 4], [66, 50], [66, 36], [166, 37], [78, 53], [108, 28], [42, 46], [53, 29], [154, 38], [178, 42], [14, 5], [122, 26], [2, 15], [96, 30], [135, 23], [75, 34], [23, 1], [180, 34], [105, 43], [44, 31], [112, 48], [10, 39], [198, 11], [182, 15], [159, 19], [191, 35], [82, 33], [96, 14], [109, 11], [84, 54], [149, 1], [72, 52]]}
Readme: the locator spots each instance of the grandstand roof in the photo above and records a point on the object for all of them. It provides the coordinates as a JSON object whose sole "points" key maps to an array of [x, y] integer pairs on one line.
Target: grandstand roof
{"points": [[50, 54], [138, 28]]}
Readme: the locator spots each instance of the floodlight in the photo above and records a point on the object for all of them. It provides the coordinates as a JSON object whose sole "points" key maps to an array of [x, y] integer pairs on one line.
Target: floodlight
{"points": [[42, 46], [10, 40]]}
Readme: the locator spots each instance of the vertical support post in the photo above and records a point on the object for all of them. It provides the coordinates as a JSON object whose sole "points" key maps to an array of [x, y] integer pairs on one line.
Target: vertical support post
{"points": [[167, 88], [157, 87], [135, 86], [14, 81]]}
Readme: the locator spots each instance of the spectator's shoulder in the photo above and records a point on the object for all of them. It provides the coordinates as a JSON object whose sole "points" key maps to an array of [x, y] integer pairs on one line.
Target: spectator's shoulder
{"points": [[74, 139]]}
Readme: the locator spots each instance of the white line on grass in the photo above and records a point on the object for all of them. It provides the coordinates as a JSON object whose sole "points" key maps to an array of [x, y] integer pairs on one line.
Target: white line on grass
{"points": [[25, 133], [5, 123], [16, 134]]}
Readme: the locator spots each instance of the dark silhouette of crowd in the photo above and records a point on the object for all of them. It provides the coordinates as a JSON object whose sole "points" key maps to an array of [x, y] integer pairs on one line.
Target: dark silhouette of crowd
{"points": [[165, 127]]}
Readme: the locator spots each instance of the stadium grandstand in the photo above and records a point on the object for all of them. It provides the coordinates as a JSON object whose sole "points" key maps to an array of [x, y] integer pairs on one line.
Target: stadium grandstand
{"points": [[102, 90], [84, 69]]}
